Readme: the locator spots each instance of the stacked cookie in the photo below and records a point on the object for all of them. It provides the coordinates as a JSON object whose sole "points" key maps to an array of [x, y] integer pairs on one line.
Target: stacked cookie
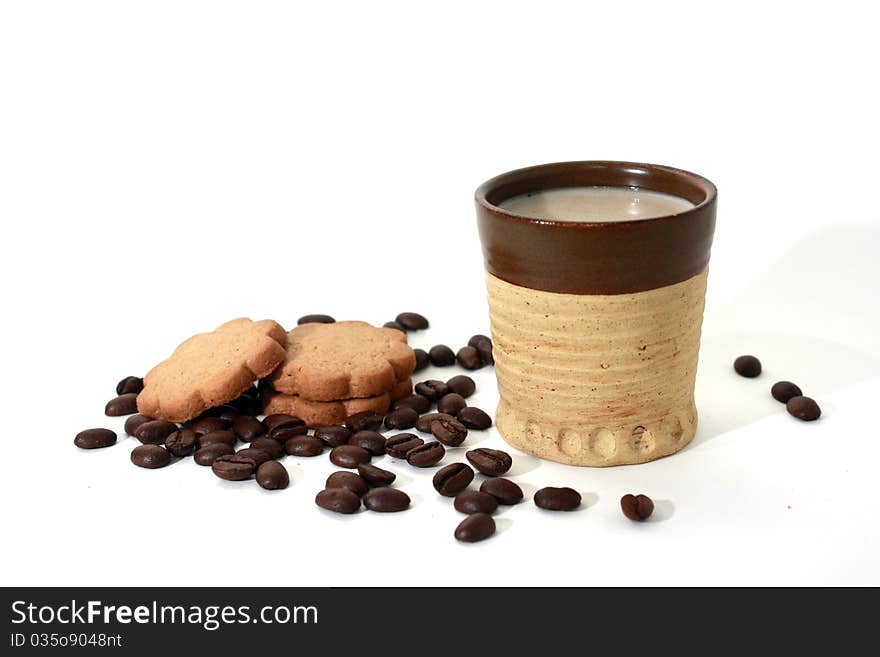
{"points": [[333, 371]]}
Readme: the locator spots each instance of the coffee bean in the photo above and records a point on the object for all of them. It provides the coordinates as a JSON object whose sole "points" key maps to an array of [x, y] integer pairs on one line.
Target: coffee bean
{"points": [[747, 366], [451, 403], [412, 321], [637, 507], [122, 405], [449, 432], [386, 500], [344, 479], [130, 384], [423, 424], [215, 437], [474, 501], [477, 339], [287, 431], [418, 403], [365, 421], [558, 499], [247, 427], [422, 359], [432, 389], [315, 319], [349, 456], [181, 442], [441, 356], [333, 436], [257, 456], [208, 424], [395, 326], [451, 479], [150, 456], [133, 422], [228, 415], [338, 500], [401, 418], [155, 432], [503, 490], [424, 456], [476, 527], [372, 441], [234, 467], [304, 446], [276, 420], [492, 462], [803, 408], [209, 453], [469, 358], [271, 475], [94, 438], [272, 447], [483, 345], [399, 446], [376, 476], [474, 418], [782, 391], [462, 384]]}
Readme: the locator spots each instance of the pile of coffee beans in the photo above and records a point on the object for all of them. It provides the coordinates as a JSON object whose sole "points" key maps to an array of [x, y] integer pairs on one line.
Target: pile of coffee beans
{"points": [[786, 392]]}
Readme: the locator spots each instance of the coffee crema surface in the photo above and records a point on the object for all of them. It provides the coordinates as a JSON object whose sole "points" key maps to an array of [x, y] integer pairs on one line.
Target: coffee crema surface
{"points": [[595, 204]]}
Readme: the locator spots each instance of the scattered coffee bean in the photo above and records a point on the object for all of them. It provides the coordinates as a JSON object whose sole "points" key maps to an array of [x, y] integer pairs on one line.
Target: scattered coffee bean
{"points": [[469, 358], [449, 432], [155, 432], [208, 424], [451, 479], [276, 420], [401, 418], [338, 500], [476, 527], [395, 326], [474, 501], [372, 441], [95, 438], [418, 403], [423, 424], [234, 467], [558, 499], [209, 453], [782, 391], [399, 446], [287, 431], [412, 321], [462, 385], [441, 356], [503, 490], [133, 422], [803, 408], [271, 475], [333, 436], [432, 389], [422, 360], [376, 476], [366, 421], [304, 446], [747, 366], [386, 500], [122, 405], [349, 456], [222, 437], [272, 447], [637, 507], [150, 456], [477, 339], [483, 345], [424, 456], [492, 462], [315, 319], [181, 442], [228, 415], [130, 384], [344, 479], [451, 403], [474, 418], [247, 427], [258, 456]]}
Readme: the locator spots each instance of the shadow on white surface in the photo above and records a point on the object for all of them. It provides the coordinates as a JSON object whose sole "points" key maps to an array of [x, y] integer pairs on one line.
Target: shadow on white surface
{"points": [[502, 525], [663, 511]]}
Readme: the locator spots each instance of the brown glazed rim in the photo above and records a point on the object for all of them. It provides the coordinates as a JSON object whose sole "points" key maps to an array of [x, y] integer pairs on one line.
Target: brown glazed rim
{"points": [[596, 257]]}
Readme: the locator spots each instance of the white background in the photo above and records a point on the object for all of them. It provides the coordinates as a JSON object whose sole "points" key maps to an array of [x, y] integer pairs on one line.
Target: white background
{"points": [[166, 166]]}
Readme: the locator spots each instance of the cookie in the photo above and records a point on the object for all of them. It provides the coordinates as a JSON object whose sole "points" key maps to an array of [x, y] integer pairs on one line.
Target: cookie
{"points": [[319, 413], [210, 369], [345, 360]]}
